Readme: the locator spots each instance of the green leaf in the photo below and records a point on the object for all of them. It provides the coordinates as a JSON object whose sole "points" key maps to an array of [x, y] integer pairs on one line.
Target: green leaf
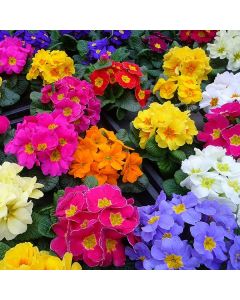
{"points": [[3, 249], [21, 85], [120, 114], [44, 227], [82, 47], [128, 102], [101, 64], [123, 135], [90, 181], [80, 70], [57, 195], [8, 97], [37, 106], [120, 54], [153, 149], [171, 187], [166, 166], [137, 187], [9, 136], [2, 157], [69, 181], [179, 176], [136, 43], [178, 155]]}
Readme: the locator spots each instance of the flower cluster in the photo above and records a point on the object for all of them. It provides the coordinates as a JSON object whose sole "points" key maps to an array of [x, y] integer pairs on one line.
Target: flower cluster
{"points": [[158, 42], [99, 48], [171, 127], [185, 234], [51, 66], [77, 34], [226, 45], [75, 100], [185, 69], [102, 155], [92, 224], [38, 39], [25, 256], [15, 209], [213, 174], [198, 36], [224, 89], [126, 74], [4, 124], [4, 34], [13, 55], [118, 37], [222, 128], [45, 140]]}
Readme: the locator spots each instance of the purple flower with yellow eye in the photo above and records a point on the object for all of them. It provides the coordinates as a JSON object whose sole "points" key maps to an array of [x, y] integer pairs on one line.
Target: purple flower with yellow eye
{"points": [[142, 255], [209, 241], [161, 218], [220, 213], [173, 254], [122, 34], [184, 208], [38, 39]]}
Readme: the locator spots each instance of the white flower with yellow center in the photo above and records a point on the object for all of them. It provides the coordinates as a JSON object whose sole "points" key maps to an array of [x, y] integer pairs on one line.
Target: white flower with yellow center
{"points": [[227, 166]]}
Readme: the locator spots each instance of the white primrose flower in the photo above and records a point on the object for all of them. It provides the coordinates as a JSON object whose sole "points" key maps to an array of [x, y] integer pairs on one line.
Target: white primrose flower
{"points": [[234, 58], [231, 188], [195, 165], [219, 49], [212, 98], [227, 166], [206, 185], [211, 152]]}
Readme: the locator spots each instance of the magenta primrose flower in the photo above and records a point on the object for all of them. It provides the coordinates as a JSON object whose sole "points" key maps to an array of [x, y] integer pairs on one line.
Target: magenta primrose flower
{"points": [[45, 140]]}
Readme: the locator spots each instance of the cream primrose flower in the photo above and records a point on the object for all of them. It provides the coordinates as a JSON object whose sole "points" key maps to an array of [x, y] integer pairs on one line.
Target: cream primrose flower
{"points": [[224, 89], [215, 175], [15, 209]]}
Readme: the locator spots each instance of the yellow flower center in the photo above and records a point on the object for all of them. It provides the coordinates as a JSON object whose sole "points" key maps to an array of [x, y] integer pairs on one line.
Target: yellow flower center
{"points": [[104, 202], [60, 97], [111, 245], [126, 79], [236, 56], [116, 219], [154, 219], [235, 95], [71, 211], [52, 126], [121, 31], [235, 140], [98, 51], [141, 94], [207, 182], [29, 148], [214, 101], [62, 141], [89, 242], [12, 61], [157, 45], [98, 82], [75, 99], [142, 258], [209, 243], [235, 185], [55, 156], [173, 261], [67, 111], [195, 171], [169, 133], [84, 224], [180, 208], [167, 235], [221, 50], [42, 147], [109, 53], [223, 167], [216, 134], [132, 68]]}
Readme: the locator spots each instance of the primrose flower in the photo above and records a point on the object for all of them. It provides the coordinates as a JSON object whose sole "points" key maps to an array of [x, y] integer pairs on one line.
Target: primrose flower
{"points": [[25, 256], [141, 254], [15, 209], [173, 254], [199, 36], [13, 55], [45, 140], [92, 224], [50, 66], [4, 124], [234, 253], [171, 127]]}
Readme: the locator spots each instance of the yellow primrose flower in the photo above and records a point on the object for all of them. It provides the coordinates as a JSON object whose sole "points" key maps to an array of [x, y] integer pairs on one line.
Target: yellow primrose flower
{"points": [[187, 61], [189, 91], [25, 256], [173, 128], [51, 66], [166, 88]]}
